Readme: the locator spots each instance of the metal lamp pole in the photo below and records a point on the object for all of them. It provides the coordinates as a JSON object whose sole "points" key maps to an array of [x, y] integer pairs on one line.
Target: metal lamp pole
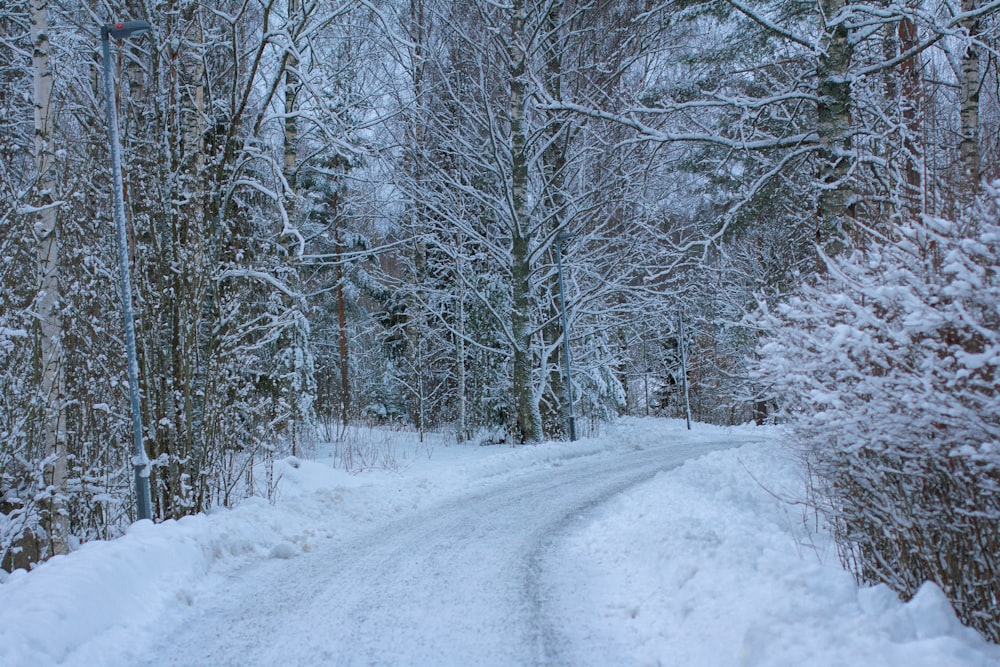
{"points": [[571, 418], [141, 460]]}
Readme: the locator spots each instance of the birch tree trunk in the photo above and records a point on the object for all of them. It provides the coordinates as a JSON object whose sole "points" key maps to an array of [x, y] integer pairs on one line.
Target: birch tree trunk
{"points": [[832, 127], [52, 383], [911, 100], [968, 146], [526, 419], [294, 24], [345, 383], [292, 85], [554, 421]]}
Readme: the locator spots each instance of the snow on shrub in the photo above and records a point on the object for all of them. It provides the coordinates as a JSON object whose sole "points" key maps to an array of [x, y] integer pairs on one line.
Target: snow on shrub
{"points": [[887, 371]]}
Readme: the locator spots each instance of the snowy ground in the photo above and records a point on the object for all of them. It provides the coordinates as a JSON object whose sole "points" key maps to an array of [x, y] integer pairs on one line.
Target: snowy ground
{"points": [[601, 552]]}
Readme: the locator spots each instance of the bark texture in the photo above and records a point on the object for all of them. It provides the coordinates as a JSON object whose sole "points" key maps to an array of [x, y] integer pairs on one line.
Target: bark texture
{"points": [[968, 146], [526, 417], [833, 129], [52, 384]]}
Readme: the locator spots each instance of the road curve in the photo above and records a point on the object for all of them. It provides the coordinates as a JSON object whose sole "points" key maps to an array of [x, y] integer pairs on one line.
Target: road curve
{"points": [[457, 583]]}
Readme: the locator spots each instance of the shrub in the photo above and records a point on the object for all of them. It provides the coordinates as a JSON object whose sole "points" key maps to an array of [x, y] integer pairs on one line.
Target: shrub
{"points": [[887, 372]]}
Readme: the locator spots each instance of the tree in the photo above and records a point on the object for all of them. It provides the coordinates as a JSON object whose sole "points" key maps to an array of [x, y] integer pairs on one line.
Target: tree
{"points": [[50, 364], [970, 83], [497, 176]]}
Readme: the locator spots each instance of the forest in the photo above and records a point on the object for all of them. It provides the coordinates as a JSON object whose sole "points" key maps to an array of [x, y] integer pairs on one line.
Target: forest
{"points": [[512, 222]]}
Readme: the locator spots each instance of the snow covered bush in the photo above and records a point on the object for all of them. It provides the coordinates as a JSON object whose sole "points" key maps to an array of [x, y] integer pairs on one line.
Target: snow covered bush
{"points": [[887, 371]]}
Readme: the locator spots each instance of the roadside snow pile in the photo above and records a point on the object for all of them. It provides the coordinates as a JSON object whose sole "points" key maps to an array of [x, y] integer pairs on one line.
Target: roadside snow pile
{"points": [[122, 585], [705, 566], [112, 590]]}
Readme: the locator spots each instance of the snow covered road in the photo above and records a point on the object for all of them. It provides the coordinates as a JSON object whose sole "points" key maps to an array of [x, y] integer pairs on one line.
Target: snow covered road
{"points": [[459, 583], [558, 554]]}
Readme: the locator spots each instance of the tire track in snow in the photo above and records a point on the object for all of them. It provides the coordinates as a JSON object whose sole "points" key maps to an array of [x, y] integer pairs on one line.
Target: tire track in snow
{"points": [[462, 582], [549, 642]]}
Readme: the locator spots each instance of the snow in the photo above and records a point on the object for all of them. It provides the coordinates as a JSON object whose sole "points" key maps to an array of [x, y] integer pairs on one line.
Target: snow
{"points": [[6, 334], [705, 564], [714, 564]]}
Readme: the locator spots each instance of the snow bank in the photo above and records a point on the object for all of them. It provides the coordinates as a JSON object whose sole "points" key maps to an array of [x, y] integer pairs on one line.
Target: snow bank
{"points": [[109, 591], [705, 566], [122, 585]]}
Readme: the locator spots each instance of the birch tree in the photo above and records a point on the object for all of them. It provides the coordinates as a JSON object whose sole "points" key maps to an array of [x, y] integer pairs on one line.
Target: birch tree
{"points": [[52, 387], [970, 82]]}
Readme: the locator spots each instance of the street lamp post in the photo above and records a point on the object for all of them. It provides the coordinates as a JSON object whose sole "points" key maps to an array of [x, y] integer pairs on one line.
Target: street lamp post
{"points": [[140, 462], [570, 417]]}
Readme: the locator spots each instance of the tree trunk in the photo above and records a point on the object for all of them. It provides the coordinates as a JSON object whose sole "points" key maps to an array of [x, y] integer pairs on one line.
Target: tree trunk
{"points": [[345, 384], [684, 372], [52, 385], [832, 127], [969, 100], [555, 420], [904, 97], [911, 100], [526, 418], [294, 23], [461, 381], [292, 85]]}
